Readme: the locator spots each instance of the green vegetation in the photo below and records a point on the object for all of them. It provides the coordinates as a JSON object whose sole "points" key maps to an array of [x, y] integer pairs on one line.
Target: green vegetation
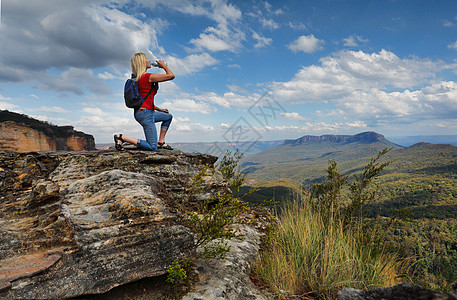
{"points": [[307, 257], [320, 246], [356, 226], [177, 271], [418, 188], [431, 247], [306, 161], [210, 218]]}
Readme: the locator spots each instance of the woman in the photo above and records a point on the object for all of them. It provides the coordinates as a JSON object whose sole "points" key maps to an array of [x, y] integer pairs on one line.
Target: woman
{"points": [[149, 113]]}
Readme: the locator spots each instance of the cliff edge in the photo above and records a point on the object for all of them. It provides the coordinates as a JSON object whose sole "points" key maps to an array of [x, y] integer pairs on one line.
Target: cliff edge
{"points": [[20, 133], [75, 223]]}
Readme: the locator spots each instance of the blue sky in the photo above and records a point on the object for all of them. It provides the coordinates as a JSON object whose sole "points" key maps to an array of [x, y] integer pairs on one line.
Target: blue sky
{"points": [[245, 70]]}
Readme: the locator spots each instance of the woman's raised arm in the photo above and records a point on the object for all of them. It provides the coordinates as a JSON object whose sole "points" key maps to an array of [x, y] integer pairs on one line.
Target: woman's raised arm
{"points": [[162, 77]]}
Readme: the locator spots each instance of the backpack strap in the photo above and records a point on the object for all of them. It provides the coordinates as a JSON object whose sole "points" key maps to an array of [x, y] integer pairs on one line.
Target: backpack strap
{"points": [[150, 91]]}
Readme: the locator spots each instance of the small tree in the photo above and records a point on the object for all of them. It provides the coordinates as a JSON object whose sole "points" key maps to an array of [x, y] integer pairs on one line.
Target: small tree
{"points": [[360, 195], [210, 218], [230, 169], [327, 197]]}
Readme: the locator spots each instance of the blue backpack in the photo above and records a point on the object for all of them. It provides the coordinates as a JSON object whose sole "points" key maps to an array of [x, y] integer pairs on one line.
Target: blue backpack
{"points": [[132, 95]]}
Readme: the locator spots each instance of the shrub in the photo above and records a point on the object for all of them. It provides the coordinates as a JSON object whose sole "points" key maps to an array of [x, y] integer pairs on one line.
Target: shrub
{"points": [[320, 246], [177, 272], [210, 218]]}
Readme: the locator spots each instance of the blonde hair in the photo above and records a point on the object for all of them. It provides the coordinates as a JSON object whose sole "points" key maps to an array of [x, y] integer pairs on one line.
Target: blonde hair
{"points": [[138, 63]]}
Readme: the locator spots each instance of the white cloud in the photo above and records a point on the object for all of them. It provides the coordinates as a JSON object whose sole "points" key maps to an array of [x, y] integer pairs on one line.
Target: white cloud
{"points": [[334, 127], [377, 88], [42, 37], [191, 63], [53, 109], [94, 111], [306, 44], [293, 116], [186, 125], [453, 45], [7, 105], [218, 11], [220, 38], [110, 76], [297, 26], [5, 98], [269, 23], [353, 41], [234, 66], [338, 76], [212, 97], [103, 128], [261, 41], [438, 100], [228, 99], [312, 127], [447, 23], [76, 80], [187, 105], [212, 42]]}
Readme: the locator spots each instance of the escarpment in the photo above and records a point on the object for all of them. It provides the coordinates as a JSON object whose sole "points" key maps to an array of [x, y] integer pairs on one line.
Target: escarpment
{"points": [[20, 133], [74, 223]]}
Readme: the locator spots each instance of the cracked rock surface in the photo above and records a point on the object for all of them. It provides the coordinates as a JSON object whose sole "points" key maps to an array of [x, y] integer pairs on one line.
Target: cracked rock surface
{"points": [[229, 278], [75, 223]]}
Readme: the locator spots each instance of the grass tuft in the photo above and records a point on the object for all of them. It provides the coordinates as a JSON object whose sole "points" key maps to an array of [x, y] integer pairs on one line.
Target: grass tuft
{"points": [[307, 255]]}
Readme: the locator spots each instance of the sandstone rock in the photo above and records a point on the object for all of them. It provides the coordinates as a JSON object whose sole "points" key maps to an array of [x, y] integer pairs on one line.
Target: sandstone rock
{"points": [[20, 133], [74, 223], [229, 278], [403, 291]]}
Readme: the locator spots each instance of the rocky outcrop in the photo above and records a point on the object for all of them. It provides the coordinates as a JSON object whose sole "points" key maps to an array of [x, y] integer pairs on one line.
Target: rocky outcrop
{"points": [[403, 291], [229, 278], [20, 133], [74, 223]]}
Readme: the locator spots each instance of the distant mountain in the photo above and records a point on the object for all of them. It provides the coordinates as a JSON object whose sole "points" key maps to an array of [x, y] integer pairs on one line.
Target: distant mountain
{"points": [[217, 148], [434, 139], [297, 159], [364, 138]]}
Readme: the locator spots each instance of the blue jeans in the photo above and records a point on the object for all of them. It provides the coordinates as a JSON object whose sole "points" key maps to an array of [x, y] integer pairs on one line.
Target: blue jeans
{"points": [[147, 118]]}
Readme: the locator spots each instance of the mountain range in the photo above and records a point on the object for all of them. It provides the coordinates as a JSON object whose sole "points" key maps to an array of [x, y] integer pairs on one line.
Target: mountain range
{"points": [[302, 158], [218, 148], [421, 177]]}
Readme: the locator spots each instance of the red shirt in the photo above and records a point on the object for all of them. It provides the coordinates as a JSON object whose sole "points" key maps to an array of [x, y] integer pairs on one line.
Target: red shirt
{"points": [[144, 86]]}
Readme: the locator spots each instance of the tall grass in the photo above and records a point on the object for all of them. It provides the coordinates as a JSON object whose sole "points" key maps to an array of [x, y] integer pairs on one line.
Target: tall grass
{"points": [[307, 255]]}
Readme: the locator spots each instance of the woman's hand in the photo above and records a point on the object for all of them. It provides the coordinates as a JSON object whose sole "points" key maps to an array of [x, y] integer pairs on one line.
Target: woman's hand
{"points": [[165, 110], [161, 64], [161, 77]]}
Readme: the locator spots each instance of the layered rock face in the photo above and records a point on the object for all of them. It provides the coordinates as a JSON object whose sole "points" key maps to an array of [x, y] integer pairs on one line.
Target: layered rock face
{"points": [[74, 223], [364, 137], [20, 133]]}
